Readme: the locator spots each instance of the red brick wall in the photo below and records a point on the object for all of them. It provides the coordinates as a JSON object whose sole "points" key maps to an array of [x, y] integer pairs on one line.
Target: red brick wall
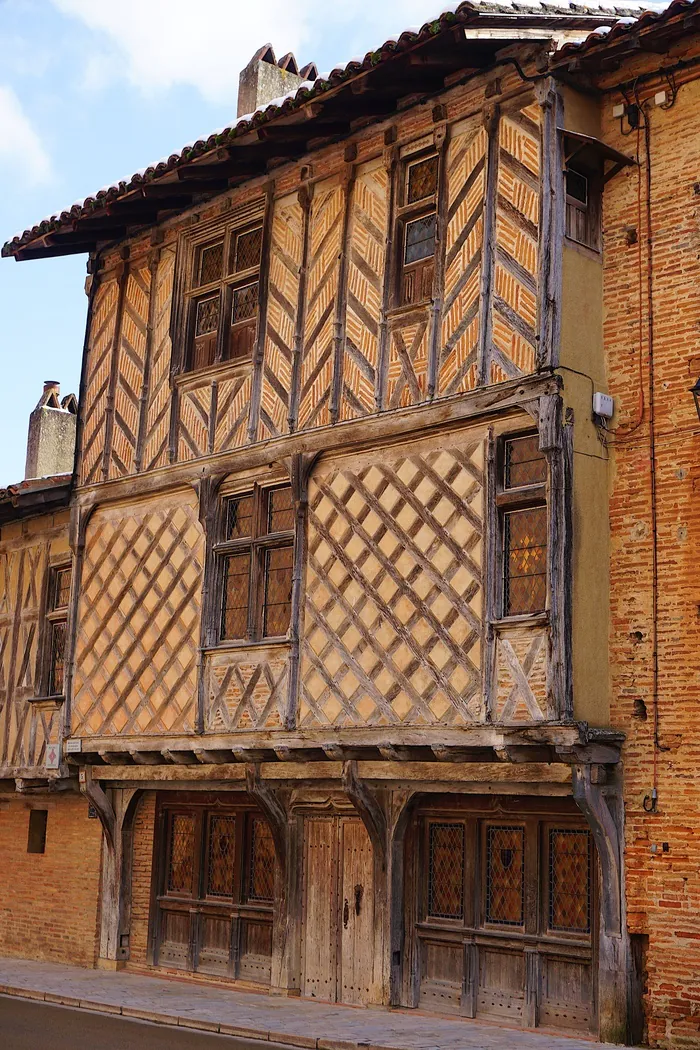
{"points": [[663, 888], [49, 901], [144, 825]]}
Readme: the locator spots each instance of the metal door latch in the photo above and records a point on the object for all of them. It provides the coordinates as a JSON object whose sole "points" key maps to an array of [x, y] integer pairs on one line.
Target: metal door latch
{"points": [[346, 913], [359, 890]]}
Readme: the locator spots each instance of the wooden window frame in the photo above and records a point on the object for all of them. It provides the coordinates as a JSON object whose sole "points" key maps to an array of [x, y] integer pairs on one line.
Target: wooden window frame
{"points": [[54, 615], [258, 544], [407, 213], [589, 235], [510, 499], [224, 287]]}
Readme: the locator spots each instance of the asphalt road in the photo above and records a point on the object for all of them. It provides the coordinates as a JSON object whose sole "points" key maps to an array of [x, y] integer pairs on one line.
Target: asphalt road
{"points": [[26, 1025]]}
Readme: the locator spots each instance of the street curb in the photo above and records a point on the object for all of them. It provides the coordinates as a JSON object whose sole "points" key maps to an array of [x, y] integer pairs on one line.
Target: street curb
{"points": [[280, 1040]]}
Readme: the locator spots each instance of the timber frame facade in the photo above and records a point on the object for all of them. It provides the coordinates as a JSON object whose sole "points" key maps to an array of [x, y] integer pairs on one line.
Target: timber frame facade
{"points": [[373, 732]]}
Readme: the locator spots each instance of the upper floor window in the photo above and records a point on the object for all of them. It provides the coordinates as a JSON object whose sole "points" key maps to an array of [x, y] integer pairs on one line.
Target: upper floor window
{"points": [[256, 557], [224, 297], [523, 515], [583, 189], [417, 228], [57, 617]]}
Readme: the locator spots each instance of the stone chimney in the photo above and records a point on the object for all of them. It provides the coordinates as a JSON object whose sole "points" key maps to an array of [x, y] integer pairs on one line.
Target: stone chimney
{"points": [[51, 441], [264, 79]]}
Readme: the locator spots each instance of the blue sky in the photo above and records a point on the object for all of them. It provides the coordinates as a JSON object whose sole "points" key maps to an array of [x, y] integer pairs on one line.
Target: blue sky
{"points": [[93, 90]]}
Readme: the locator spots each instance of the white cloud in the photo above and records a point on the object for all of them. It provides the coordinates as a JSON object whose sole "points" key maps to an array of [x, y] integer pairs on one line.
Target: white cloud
{"points": [[21, 149], [161, 43]]}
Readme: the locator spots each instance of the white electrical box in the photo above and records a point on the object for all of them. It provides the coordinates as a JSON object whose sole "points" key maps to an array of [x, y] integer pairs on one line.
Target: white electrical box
{"points": [[603, 405], [619, 110]]}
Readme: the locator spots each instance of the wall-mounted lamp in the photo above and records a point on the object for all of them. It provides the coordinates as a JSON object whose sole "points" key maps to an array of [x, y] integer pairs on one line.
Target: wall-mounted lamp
{"points": [[695, 391]]}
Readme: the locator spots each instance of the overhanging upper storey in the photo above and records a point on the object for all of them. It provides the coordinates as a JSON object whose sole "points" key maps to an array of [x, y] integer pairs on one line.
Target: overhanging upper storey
{"points": [[455, 46]]}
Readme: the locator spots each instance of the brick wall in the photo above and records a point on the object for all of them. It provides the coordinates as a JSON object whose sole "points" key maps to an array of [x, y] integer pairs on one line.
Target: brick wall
{"points": [[49, 901], [663, 888], [144, 825]]}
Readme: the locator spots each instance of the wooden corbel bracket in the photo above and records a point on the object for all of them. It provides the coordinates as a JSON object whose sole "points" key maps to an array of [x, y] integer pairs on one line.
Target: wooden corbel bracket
{"points": [[366, 802], [591, 801], [105, 811], [272, 806]]}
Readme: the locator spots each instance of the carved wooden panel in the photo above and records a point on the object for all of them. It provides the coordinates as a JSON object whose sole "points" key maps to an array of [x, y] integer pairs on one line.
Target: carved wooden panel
{"points": [[466, 185], [195, 419], [407, 371], [97, 375], [325, 243], [366, 262], [521, 668], [286, 251], [139, 620], [393, 614], [155, 442], [25, 728], [232, 406], [517, 231], [246, 690], [131, 364]]}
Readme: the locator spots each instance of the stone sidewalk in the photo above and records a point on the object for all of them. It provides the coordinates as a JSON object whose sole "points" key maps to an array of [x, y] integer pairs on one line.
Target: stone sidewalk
{"points": [[286, 1022]]}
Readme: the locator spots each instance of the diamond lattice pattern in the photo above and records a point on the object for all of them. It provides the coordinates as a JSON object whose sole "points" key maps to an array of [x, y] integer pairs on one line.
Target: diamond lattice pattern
{"points": [[262, 863], [138, 625], [222, 846], [505, 875], [446, 871], [569, 880], [181, 859], [393, 618]]}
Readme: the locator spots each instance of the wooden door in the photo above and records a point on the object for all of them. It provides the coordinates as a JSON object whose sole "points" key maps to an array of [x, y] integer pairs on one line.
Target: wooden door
{"points": [[356, 947], [338, 911], [507, 917]]}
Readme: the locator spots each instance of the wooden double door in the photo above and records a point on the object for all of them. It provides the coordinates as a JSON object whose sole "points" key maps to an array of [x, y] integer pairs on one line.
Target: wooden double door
{"points": [[504, 915], [338, 911], [213, 888]]}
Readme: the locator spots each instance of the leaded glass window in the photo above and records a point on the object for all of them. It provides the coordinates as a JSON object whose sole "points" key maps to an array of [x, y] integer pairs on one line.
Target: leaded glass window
{"points": [[417, 220], [446, 871], [257, 557], [180, 868], [221, 853], [261, 885], [57, 628], [525, 568], [570, 880], [505, 875]]}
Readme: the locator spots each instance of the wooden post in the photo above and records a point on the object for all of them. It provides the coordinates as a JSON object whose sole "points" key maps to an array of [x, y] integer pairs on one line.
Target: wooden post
{"points": [[441, 138], [153, 261], [305, 194], [613, 942], [403, 971], [116, 814], [284, 977], [123, 277], [341, 297], [259, 352], [551, 238]]}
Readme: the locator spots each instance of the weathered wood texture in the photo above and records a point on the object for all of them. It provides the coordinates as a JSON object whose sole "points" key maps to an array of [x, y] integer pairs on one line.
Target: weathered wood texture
{"points": [[333, 346], [286, 256], [138, 620], [366, 263], [393, 615], [466, 186], [25, 559], [325, 246], [97, 373], [521, 669], [246, 690], [514, 291]]}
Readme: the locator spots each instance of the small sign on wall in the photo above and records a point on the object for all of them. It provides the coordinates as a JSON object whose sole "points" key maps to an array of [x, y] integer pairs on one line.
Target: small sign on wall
{"points": [[53, 756]]}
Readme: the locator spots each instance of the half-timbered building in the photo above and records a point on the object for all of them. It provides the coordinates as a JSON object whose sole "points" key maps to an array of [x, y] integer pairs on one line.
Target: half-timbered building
{"points": [[336, 678]]}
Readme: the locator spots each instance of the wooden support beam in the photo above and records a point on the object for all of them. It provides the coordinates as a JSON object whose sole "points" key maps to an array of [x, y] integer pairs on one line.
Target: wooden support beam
{"points": [[145, 758], [215, 758], [180, 758], [271, 805], [370, 807]]}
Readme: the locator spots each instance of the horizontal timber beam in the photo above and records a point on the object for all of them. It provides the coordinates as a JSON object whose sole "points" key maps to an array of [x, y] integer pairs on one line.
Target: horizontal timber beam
{"points": [[346, 435]]}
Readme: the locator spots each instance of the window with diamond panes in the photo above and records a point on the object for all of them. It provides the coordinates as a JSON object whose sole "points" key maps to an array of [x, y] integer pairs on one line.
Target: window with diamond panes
{"points": [[417, 221], [446, 871], [221, 853], [569, 880], [180, 865], [521, 498], [57, 628], [225, 295], [261, 884], [505, 875], [257, 559]]}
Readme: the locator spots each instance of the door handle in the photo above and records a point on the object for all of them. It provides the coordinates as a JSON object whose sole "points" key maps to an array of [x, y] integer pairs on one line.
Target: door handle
{"points": [[346, 913], [359, 890]]}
